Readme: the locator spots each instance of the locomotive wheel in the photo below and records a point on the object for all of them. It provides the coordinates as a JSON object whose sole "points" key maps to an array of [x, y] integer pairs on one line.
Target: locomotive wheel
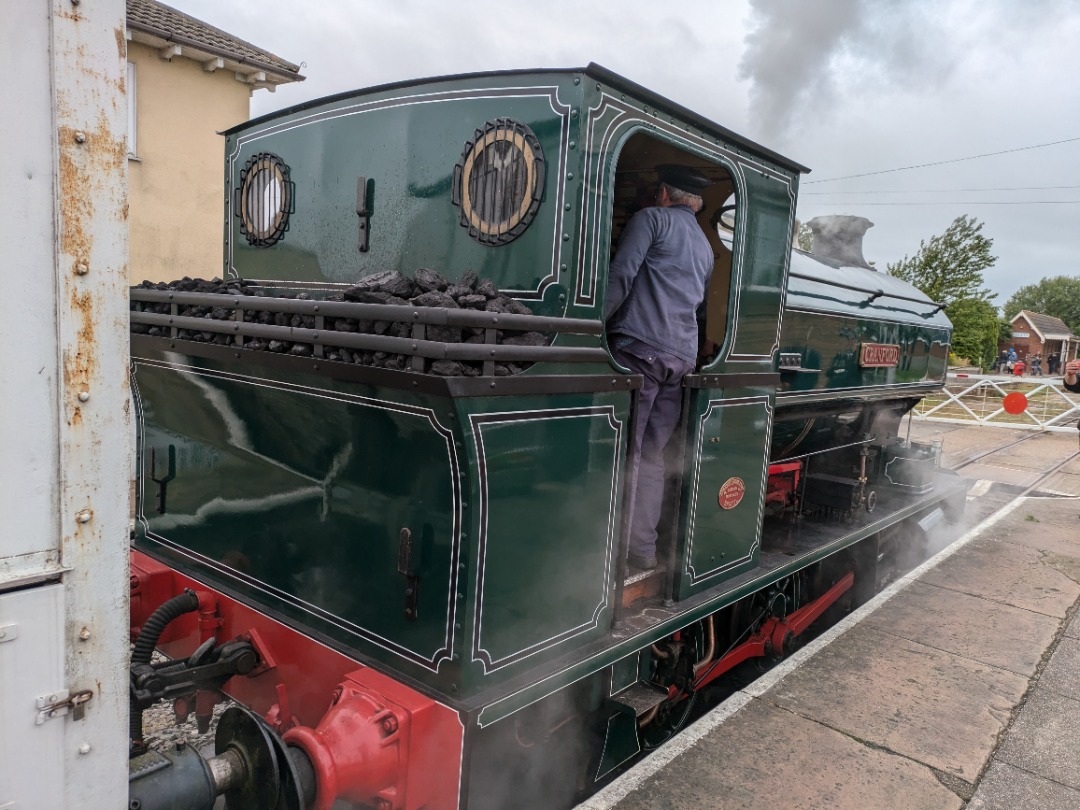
{"points": [[668, 721]]}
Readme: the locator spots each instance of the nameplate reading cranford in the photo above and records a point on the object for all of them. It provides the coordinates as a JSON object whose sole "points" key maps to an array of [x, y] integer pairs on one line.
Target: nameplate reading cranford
{"points": [[877, 355]]}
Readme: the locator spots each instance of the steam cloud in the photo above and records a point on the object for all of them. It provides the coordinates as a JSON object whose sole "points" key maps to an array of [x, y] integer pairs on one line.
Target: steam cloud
{"points": [[801, 57]]}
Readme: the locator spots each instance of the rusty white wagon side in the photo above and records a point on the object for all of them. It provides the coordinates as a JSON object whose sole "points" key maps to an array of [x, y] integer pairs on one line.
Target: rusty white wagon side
{"points": [[65, 422]]}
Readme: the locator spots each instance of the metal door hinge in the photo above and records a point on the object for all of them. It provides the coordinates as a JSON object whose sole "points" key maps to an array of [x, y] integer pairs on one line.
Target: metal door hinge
{"points": [[60, 702]]}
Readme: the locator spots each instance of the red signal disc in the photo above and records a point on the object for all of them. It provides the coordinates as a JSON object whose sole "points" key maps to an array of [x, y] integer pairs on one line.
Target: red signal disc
{"points": [[1015, 403]]}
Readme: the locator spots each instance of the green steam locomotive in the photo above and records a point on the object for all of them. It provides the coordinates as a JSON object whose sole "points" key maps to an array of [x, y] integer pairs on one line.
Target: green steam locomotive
{"points": [[382, 458]]}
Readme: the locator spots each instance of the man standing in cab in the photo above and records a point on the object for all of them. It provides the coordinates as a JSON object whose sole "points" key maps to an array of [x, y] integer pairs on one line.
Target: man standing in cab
{"points": [[655, 313]]}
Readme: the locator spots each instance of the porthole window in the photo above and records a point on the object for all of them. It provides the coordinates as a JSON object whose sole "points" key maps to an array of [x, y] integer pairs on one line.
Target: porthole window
{"points": [[266, 197], [499, 181]]}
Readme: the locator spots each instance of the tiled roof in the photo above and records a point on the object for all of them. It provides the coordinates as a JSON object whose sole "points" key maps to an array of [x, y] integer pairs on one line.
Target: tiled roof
{"points": [[1046, 325], [160, 20]]}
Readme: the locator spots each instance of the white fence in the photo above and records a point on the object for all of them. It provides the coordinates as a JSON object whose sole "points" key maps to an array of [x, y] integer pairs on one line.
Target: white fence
{"points": [[966, 400]]}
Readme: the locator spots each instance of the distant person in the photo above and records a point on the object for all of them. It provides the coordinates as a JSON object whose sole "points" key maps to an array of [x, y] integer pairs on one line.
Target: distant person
{"points": [[1052, 362], [1003, 361], [1018, 368], [1036, 365]]}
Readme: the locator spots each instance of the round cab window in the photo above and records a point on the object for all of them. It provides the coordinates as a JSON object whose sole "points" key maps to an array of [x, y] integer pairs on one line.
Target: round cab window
{"points": [[499, 181], [265, 199]]}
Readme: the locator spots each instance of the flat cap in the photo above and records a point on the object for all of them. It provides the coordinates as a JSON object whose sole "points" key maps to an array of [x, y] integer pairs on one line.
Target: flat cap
{"points": [[684, 178]]}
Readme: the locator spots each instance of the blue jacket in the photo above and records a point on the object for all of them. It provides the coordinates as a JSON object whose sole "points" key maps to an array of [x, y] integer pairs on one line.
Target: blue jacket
{"points": [[658, 280]]}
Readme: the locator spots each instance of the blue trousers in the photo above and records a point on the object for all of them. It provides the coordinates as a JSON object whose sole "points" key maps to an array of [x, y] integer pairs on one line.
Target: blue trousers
{"points": [[659, 406]]}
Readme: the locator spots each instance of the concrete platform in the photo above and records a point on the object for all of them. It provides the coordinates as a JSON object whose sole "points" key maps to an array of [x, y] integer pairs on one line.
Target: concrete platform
{"points": [[957, 687]]}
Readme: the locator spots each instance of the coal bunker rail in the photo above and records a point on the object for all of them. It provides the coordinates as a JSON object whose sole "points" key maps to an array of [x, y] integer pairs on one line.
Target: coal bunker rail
{"points": [[322, 335]]}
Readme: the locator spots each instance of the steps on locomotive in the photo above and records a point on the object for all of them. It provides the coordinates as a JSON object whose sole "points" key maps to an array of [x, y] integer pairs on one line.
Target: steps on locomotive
{"points": [[640, 585]]}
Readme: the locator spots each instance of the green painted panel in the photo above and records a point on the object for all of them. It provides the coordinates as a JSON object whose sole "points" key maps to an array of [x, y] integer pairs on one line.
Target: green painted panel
{"points": [[406, 142], [761, 255], [831, 343], [548, 478], [292, 496], [721, 535]]}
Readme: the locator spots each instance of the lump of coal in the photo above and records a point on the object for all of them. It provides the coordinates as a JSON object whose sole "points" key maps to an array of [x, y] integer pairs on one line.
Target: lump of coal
{"points": [[428, 280], [527, 339], [448, 368], [444, 334], [389, 281], [429, 288], [456, 291], [472, 301], [516, 307], [434, 298], [369, 296]]}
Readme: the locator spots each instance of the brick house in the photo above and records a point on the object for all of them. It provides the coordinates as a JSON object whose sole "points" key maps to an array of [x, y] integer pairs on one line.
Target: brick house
{"points": [[186, 82], [1034, 333]]}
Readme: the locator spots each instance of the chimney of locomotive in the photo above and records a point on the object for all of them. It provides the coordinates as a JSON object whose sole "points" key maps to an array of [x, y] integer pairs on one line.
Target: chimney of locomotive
{"points": [[839, 237]]}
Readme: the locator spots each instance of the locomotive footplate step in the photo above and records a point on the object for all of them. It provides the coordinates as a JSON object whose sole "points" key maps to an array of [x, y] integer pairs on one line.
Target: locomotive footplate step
{"points": [[953, 688], [641, 697]]}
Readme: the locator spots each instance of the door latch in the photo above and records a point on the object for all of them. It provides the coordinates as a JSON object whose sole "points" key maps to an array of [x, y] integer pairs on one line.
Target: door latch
{"points": [[60, 702]]}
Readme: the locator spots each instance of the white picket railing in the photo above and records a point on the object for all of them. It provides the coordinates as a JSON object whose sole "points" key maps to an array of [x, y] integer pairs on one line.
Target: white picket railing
{"points": [[965, 400]]}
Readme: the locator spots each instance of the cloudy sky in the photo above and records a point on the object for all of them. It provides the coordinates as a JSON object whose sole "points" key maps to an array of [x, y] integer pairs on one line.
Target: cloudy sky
{"points": [[846, 87]]}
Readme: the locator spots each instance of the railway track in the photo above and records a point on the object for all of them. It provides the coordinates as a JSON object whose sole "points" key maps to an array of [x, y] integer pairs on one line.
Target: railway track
{"points": [[994, 450], [1034, 487]]}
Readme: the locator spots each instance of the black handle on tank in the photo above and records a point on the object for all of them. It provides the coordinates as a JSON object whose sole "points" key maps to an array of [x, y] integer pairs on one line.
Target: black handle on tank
{"points": [[362, 213], [162, 482], [405, 567]]}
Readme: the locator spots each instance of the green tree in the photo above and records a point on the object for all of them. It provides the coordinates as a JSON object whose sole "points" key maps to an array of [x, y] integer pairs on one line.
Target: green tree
{"points": [[1058, 296], [949, 268], [804, 237], [1004, 331], [976, 330]]}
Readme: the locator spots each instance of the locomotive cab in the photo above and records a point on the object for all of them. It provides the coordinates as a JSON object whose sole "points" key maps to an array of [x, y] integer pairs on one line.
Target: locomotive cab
{"points": [[635, 183], [715, 487]]}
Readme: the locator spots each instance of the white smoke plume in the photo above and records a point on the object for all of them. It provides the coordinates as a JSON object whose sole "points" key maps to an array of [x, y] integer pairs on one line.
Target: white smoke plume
{"points": [[802, 57]]}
